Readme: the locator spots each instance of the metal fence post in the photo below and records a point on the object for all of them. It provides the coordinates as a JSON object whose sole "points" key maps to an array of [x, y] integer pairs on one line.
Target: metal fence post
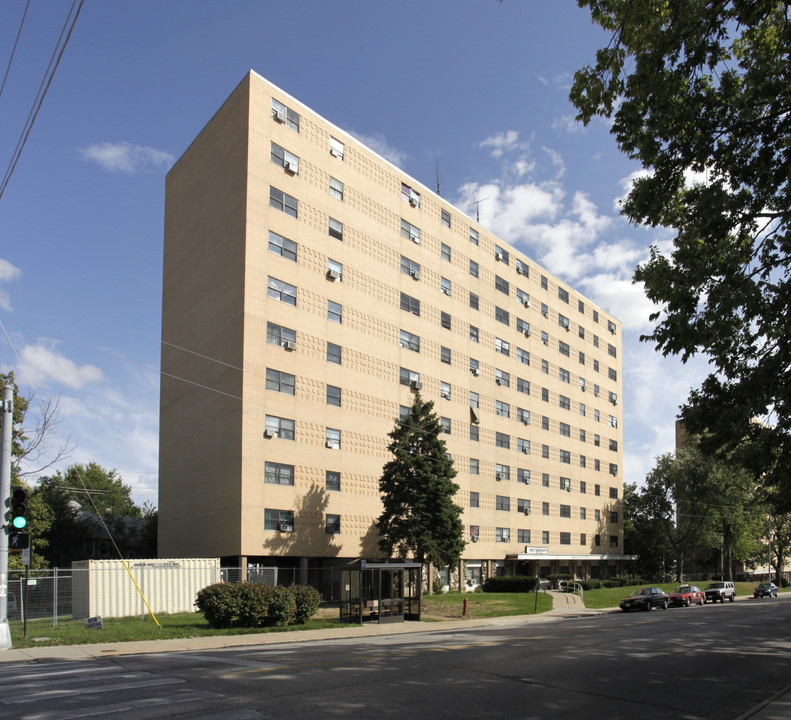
{"points": [[55, 598]]}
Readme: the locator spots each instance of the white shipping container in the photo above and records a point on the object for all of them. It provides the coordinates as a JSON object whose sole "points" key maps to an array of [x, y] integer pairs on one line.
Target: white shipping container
{"points": [[104, 587]]}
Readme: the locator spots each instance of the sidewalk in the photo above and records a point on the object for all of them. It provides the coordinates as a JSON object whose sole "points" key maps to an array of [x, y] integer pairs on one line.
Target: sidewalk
{"points": [[565, 605]]}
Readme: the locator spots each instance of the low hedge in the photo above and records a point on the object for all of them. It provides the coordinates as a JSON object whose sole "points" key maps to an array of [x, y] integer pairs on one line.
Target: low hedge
{"points": [[227, 605], [510, 584]]}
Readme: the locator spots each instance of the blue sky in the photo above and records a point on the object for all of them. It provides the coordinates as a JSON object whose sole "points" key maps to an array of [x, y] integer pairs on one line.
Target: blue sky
{"points": [[477, 86]]}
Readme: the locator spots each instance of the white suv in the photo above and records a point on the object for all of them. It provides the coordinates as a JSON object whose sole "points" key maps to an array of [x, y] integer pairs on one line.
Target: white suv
{"points": [[720, 590]]}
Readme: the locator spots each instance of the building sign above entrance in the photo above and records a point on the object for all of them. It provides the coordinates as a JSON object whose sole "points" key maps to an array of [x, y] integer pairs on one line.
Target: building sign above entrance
{"points": [[536, 550]]}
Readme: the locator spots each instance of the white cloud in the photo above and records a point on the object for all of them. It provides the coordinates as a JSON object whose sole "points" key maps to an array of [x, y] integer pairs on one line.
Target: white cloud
{"points": [[126, 158], [8, 273], [559, 81], [504, 142], [40, 364], [379, 145], [569, 124], [557, 161]]}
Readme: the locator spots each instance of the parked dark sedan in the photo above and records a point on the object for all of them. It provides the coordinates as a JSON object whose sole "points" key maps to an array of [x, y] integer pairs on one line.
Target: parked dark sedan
{"points": [[645, 598], [686, 595], [765, 589]]}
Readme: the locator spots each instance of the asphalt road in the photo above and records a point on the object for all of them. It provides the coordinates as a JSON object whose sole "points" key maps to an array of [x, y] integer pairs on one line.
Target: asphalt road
{"points": [[715, 661]]}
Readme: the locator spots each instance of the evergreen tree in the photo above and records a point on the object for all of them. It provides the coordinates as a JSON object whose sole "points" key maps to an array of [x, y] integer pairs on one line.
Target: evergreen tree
{"points": [[420, 517]]}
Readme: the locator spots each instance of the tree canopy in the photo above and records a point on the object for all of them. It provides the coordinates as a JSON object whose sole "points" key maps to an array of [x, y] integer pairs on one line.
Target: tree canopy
{"points": [[699, 93], [420, 517]]}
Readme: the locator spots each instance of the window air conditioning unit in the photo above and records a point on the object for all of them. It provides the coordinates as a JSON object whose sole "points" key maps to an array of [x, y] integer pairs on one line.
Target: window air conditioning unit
{"points": [[498, 256], [613, 472], [526, 451], [614, 401], [268, 434], [527, 333], [446, 291], [567, 327], [518, 270], [545, 313], [414, 274], [415, 239], [473, 538], [332, 445], [568, 488], [498, 476], [289, 345], [446, 395], [545, 341], [336, 153], [279, 116], [289, 168], [413, 201], [475, 371], [285, 527], [333, 275], [525, 421], [499, 381], [526, 302], [583, 388], [416, 385], [526, 511]]}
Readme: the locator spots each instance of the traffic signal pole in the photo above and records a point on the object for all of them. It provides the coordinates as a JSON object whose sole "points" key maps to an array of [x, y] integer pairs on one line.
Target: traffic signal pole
{"points": [[7, 419]]}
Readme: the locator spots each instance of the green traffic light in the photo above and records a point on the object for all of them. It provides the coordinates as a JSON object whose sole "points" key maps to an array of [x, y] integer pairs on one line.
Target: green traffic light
{"points": [[19, 522]]}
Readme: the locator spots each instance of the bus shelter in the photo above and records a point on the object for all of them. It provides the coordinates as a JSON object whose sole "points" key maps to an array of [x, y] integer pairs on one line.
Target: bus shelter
{"points": [[381, 592]]}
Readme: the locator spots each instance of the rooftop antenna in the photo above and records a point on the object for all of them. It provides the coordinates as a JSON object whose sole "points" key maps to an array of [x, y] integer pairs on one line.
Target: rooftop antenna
{"points": [[438, 192], [477, 204]]}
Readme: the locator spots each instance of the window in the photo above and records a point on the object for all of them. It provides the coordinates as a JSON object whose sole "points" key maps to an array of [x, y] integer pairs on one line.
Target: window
{"points": [[409, 378], [501, 377], [410, 304], [502, 503], [523, 446], [474, 432], [612, 374], [564, 375], [582, 435], [563, 295], [473, 268], [611, 350], [523, 356], [565, 429], [444, 251], [473, 236], [583, 539], [545, 508], [502, 472], [333, 480], [283, 202], [565, 511], [582, 332], [409, 267], [334, 311], [596, 341], [337, 148], [565, 538], [474, 502], [334, 270], [582, 362], [285, 115], [474, 466], [564, 403], [502, 346], [545, 537], [282, 246], [564, 456], [278, 427], [544, 422], [544, 337], [502, 535], [332, 524], [410, 341], [544, 282], [523, 416], [545, 452], [523, 476], [281, 520], [445, 424], [444, 320], [523, 506], [283, 158], [522, 268], [613, 516], [583, 487], [597, 540], [595, 316], [281, 291], [581, 306], [403, 412], [597, 491], [613, 421], [474, 531], [596, 415], [614, 445], [336, 189], [409, 195], [501, 284], [474, 399], [545, 367], [502, 409], [545, 477], [583, 513], [334, 353], [611, 328], [445, 218], [333, 395], [613, 541], [523, 536], [597, 465], [444, 390], [473, 301], [564, 349], [613, 469], [474, 367], [565, 484], [278, 473], [410, 232], [336, 229], [583, 461], [502, 440], [501, 254], [279, 381], [281, 336], [444, 355], [545, 394], [502, 316], [613, 493], [444, 284]]}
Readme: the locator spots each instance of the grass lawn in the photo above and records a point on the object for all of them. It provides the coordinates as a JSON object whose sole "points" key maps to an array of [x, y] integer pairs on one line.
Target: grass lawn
{"points": [[450, 606], [610, 597]]}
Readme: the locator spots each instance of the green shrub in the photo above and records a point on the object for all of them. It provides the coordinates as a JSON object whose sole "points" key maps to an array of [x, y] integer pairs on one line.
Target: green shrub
{"points": [[281, 607], [307, 601], [783, 582], [510, 583], [221, 604], [227, 605], [590, 584]]}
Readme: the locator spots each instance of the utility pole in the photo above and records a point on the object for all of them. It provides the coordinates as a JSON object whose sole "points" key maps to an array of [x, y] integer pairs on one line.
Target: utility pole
{"points": [[5, 496]]}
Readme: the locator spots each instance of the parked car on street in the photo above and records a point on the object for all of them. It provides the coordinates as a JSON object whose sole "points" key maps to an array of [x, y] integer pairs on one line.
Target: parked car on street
{"points": [[686, 595], [765, 589], [720, 590], [645, 598]]}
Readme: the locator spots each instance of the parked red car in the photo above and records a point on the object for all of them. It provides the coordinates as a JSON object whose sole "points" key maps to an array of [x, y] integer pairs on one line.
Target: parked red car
{"points": [[686, 595]]}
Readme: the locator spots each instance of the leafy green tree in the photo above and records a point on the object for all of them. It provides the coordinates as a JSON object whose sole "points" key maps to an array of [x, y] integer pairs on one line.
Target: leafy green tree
{"points": [[420, 517], [698, 91]]}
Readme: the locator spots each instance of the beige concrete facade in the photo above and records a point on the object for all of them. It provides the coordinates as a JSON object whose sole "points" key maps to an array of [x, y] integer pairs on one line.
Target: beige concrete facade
{"points": [[287, 242]]}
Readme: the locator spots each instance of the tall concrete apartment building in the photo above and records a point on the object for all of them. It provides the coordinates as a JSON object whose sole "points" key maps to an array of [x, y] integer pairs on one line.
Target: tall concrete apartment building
{"points": [[310, 289]]}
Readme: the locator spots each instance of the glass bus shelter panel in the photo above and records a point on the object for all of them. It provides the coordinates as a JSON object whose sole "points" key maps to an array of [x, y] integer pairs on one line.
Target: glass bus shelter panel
{"points": [[412, 594], [391, 602], [350, 606]]}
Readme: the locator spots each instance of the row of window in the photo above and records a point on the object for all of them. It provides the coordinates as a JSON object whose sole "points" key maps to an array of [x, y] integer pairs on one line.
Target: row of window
{"points": [[283, 521], [503, 535], [503, 503], [290, 162]]}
